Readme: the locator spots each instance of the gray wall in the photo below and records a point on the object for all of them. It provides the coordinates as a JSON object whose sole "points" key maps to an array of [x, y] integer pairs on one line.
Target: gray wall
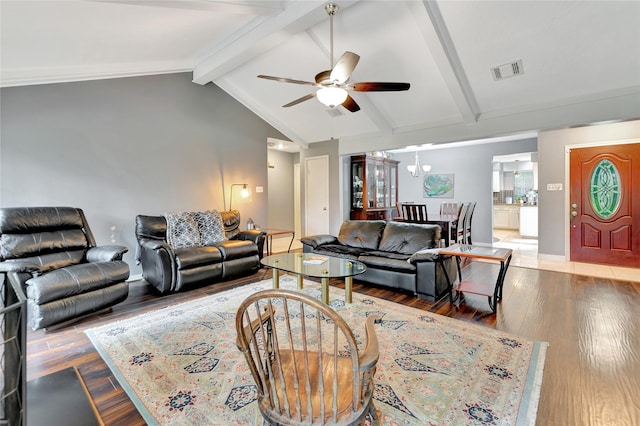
{"points": [[472, 167], [552, 156], [122, 147]]}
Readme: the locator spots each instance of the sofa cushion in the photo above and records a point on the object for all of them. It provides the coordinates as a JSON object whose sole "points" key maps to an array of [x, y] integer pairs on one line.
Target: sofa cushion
{"points": [[362, 234], [188, 257], [408, 238], [231, 222], [237, 249], [210, 227], [389, 255], [75, 279], [388, 264], [14, 246], [339, 250], [182, 229], [154, 227], [47, 262]]}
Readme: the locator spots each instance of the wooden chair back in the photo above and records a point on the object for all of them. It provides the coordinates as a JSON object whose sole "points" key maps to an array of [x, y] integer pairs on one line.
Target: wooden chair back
{"points": [[467, 223], [415, 213], [305, 361], [462, 213]]}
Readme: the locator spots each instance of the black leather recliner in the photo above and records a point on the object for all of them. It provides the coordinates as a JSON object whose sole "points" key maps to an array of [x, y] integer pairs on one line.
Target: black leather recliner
{"points": [[171, 269], [51, 253]]}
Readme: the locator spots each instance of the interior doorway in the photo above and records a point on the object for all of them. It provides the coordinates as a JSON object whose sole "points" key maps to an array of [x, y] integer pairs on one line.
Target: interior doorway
{"points": [[515, 203]]}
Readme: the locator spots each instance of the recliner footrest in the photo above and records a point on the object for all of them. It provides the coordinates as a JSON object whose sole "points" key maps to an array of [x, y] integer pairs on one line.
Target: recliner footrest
{"points": [[75, 279]]}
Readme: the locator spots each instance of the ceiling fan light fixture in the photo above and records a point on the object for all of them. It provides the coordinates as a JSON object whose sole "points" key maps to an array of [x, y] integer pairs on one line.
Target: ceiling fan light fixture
{"points": [[332, 96]]}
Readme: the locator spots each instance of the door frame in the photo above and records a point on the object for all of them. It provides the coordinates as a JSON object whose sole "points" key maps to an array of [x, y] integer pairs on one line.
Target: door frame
{"points": [[567, 183]]}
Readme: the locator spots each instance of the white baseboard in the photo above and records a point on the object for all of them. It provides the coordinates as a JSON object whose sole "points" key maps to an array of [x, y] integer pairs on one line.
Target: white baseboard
{"points": [[552, 257], [136, 277]]}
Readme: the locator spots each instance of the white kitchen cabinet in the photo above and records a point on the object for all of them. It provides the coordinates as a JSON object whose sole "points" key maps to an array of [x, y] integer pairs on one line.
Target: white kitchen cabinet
{"points": [[506, 216], [529, 221]]}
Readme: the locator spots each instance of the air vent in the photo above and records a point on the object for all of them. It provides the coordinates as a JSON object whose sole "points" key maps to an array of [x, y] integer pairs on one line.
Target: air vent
{"points": [[507, 70]]}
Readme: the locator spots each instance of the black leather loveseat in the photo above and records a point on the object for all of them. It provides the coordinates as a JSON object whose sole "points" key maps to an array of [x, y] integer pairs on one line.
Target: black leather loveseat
{"points": [[398, 255], [169, 268]]}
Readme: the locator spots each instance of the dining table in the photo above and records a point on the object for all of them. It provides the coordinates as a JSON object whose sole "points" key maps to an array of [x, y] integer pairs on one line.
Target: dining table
{"points": [[447, 223]]}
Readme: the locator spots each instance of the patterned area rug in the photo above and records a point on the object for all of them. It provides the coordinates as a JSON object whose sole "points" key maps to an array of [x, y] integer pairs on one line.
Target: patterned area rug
{"points": [[180, 366]]}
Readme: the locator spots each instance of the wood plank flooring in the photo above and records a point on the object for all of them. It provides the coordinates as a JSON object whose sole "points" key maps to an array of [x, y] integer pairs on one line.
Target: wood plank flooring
{"points": [[592, 368]]}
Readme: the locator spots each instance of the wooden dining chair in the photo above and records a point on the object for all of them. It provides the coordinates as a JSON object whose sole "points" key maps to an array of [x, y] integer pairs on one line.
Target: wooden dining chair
{"points": [[305, 360], [459, 233], [467, 223], [414, 213]]}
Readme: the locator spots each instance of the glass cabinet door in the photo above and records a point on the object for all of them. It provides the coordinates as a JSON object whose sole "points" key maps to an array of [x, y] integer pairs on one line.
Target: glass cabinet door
{"points": [[357, 175], [380, 185], [393, 170], [371, 185]]}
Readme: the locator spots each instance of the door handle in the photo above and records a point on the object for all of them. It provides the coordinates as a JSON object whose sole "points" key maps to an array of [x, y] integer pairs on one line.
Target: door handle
{"points": [[574, 213]]}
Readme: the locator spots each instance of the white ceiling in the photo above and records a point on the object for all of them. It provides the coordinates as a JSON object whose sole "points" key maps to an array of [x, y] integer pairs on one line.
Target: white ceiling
{"points": [[581, 60]]}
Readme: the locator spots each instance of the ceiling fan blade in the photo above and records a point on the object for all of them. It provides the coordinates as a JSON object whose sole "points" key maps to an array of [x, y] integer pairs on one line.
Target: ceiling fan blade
{"points": [[351, 104], [302, 99], [344, 67], [378, 87], [287, 80]]}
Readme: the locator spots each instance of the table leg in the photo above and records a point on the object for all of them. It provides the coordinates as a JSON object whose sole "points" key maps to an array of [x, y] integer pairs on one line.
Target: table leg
{"points": [[293, 235], [348, 285], [325, 291], [276, 278], [300, 282]]}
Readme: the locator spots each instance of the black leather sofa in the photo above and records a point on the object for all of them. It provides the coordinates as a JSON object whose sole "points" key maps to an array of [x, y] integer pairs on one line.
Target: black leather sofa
{"points": [[51, 254], [173, 269], [398, 255]]}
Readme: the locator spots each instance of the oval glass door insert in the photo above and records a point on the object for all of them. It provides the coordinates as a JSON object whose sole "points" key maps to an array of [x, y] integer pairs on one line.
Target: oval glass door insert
{"points": [[604, 189]]}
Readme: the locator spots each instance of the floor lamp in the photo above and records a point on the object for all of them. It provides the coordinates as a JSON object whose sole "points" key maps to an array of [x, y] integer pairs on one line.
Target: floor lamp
{"points": [[244, 193]]}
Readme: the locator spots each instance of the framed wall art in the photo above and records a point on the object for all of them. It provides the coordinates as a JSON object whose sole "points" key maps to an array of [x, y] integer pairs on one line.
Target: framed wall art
{"points": [[438, 185]]}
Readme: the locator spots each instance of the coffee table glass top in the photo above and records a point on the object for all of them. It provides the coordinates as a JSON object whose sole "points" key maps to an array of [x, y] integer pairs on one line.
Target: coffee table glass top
{"points": [[314, 265]]}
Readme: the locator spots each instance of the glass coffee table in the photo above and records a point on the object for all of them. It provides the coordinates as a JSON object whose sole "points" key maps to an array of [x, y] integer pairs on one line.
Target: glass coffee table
{"points": [[315, 266]]}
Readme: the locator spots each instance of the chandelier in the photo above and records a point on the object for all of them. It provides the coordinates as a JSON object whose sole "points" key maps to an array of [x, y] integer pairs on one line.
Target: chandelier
{"points": [[415, 169]]}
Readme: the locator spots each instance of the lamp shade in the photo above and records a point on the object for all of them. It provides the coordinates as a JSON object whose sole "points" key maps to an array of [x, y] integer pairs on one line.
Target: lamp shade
{"points": [[332, 96]]}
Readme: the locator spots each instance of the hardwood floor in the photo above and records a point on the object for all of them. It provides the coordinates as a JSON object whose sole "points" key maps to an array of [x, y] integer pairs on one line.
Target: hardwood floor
{"points": [[592, 368]]}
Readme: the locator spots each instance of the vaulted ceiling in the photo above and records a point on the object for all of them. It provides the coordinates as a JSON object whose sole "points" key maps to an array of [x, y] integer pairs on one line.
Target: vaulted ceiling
{"points": [[579, 61]]}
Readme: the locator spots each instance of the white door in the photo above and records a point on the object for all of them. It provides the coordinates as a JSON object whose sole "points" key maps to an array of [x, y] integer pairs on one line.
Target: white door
{"points": [[317, 195], [297, 226]]}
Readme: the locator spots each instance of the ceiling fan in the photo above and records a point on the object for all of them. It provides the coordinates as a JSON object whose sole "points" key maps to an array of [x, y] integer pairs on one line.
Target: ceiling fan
{"points": [[333, 84]]}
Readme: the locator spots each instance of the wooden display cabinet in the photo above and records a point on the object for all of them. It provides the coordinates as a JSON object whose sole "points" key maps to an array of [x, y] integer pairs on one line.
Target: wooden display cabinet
{"points": [[374, 187]]}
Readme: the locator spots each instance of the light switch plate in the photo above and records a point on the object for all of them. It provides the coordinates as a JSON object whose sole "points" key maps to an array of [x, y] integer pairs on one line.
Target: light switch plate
{"points": [[554, 187], [259, 189]]}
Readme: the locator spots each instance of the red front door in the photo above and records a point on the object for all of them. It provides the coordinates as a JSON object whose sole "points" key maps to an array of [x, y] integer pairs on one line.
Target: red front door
{"points": [[605, 204]]}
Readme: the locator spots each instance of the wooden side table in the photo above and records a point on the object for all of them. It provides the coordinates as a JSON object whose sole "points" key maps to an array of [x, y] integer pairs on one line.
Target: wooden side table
{"points": [[269, 234], [492, 291]]}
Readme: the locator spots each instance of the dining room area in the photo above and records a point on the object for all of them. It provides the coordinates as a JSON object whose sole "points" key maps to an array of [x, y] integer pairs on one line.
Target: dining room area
{"points": [[454, 218]]}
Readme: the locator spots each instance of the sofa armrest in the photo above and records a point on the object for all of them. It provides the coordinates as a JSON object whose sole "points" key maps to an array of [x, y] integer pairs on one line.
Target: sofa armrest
{"points": [[316, 241], [158, 262], [250, 235], [254, 235], [425, 255], [106, 253]]}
